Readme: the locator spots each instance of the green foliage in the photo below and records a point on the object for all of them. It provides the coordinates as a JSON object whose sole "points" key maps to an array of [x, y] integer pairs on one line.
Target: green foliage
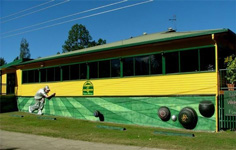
{"points": [[24, 49], [79, 38], [231, 69], [2, 61]]}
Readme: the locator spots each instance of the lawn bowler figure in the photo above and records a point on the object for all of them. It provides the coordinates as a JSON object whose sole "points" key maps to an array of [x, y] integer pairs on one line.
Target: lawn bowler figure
{"points": [[40, 99]]}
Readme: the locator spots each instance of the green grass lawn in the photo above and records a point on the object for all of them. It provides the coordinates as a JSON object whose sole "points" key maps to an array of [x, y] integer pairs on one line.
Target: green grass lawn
{"points": [[111, 133]]}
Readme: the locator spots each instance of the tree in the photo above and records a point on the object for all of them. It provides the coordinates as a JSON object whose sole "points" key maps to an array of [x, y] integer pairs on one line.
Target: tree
{"points": [[99, 42], [24, 49], [2, 61], [79, 38]]}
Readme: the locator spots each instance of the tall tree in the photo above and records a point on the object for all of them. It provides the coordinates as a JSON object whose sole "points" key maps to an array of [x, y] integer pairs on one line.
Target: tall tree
{"points": [[2, 61], [24, 49], [79, 38]]}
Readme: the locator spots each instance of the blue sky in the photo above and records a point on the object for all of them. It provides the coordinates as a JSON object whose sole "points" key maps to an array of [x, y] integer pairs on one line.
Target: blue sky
{"points": [[45, 23]]}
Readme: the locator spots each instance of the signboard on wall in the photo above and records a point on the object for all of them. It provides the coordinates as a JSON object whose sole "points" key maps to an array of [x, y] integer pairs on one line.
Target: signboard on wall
{"points": [[230, 103], [88, 88]]}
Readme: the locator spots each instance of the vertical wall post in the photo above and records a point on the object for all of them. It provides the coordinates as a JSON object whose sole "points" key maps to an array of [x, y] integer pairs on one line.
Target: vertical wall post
{"points": [[217, 82]]}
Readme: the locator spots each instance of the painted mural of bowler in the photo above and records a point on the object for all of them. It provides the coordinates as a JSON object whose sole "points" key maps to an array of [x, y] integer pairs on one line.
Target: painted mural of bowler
{"points": [[40, 100]]}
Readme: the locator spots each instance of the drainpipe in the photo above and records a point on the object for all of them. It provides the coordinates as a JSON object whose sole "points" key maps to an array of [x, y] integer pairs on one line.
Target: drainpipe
{"points": [[217, 82]]}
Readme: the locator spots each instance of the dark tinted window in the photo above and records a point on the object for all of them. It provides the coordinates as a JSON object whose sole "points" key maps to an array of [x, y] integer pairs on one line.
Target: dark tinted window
{"points": [[128, 66], [83, 71], [65, 73], [207, 59], [156, 64], [57, 74], [25, 77], [189, 61], [115, 68], [104, 69], [36, 76], [93, 70], [50, 74], [74, 72], [43, 73], [142, 65], [33, 76], [172, 63]]}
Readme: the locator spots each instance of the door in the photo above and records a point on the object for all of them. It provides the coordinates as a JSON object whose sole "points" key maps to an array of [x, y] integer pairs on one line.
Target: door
{"points": [[11, 83]]}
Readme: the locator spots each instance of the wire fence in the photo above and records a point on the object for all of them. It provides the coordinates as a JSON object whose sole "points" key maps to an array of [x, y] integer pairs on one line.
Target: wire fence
{"points": [[226, 121]]}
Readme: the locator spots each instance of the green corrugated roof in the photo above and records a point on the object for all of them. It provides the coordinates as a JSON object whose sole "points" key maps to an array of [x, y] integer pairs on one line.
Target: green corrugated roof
{"points": [[140, 40], [14, 63]]}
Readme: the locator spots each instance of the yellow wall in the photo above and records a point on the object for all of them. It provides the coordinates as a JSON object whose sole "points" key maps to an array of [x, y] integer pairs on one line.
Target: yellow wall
{"points": [[3, 84], [190, 84]]}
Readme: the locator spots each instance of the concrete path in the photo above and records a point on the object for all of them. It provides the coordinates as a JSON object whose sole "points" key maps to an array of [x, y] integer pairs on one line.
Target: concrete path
{"points": [[21, 141]]}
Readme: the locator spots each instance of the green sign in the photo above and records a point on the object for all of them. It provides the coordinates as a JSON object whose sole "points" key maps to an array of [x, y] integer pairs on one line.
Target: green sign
{"points": [[88, 88], [230, 103]]}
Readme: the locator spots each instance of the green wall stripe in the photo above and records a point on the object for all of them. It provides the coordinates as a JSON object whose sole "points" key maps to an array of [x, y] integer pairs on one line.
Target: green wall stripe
{"points": [[22, 102], [61, 108], [46, 105], [75, 108], [56, 106]]}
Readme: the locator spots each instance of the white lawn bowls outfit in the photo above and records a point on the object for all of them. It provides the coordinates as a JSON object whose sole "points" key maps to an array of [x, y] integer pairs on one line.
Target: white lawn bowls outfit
{"points": [[39, 101]]}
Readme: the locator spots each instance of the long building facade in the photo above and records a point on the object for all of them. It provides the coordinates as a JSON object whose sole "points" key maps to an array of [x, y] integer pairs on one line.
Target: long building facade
{"points": [[167, 79]]}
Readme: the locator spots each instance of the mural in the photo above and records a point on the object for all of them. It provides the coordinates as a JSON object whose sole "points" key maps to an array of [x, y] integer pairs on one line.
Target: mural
{"points": [[126, 110]]}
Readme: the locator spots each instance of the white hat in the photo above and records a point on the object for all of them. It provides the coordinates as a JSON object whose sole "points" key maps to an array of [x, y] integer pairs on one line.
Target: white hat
{"points": [[47, 88]]}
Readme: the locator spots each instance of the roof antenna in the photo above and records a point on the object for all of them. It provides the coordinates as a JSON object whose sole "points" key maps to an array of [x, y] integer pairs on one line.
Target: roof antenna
{"points": [[173, 20]]}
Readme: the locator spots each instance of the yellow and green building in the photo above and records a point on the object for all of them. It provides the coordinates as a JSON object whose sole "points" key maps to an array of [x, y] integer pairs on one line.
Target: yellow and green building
{"points": [[129, 81]]}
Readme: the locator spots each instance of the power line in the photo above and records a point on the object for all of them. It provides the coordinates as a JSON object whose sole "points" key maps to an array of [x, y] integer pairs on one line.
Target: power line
{"points": [[96, 14], [66, 16], [27, 9], [36, 11]]}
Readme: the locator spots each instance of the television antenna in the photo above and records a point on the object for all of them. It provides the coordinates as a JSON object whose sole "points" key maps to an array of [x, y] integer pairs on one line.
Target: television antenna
{"points": [[173, 20]]}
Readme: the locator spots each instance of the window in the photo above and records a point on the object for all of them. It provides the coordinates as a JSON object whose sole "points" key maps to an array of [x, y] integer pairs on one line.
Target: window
{"points": [[172, 62], [65, 72], [74, 72], [57, 74], [25, 77], [50, 74], [53, 74], [31, 75], [128, 66], [115, 68], [104, 69], [43, 74], [142, 65], [83, 71], [93, 70], [207, 59], [36, 75], [156, 64], [189, 61]]}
